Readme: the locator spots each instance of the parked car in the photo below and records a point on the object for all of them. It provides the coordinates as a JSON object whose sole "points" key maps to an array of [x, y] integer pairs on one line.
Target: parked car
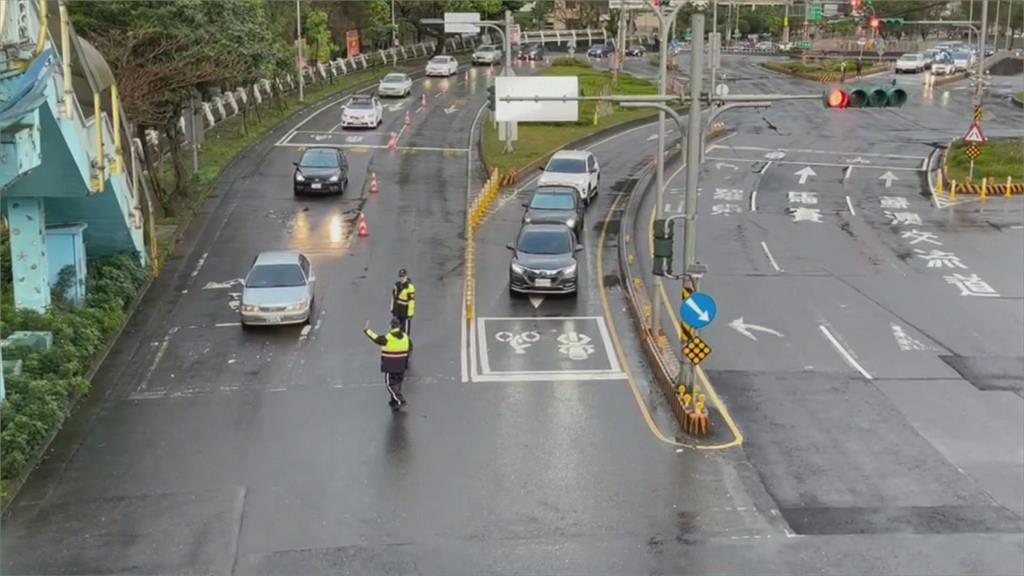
{"points": [[961, 61], [943, 64], [442, 66], [636, 51], [278, 290], [396, 84], [543, 260], [575, 168], [600, 51], [487, 54], [362, 111], [532, 52], [912, 62], [320, 170], [555, 205], [764, 45]]}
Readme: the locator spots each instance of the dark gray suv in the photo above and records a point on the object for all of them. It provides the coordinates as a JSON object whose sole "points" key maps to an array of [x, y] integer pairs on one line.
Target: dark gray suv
{"points": [[543, 260], [555, 205]]}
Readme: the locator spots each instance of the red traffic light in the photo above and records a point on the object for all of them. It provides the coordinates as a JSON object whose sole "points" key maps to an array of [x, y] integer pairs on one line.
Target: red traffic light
{"points": [[855, 4], [873, 22], [837, 98]]}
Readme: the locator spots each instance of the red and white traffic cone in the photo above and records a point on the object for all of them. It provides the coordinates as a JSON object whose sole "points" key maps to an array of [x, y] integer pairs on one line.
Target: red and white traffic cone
{"points": [[408, 118], [364, 230], [393, 144], [373, 183]]}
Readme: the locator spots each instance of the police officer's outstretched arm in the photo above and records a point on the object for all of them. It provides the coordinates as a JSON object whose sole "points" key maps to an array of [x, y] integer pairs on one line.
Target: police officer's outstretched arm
{"points": [[373, 336]]}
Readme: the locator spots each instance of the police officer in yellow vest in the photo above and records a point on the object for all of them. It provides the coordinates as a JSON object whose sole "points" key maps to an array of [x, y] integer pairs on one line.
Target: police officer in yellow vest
{"points": [[403, 300], [394, 358]]}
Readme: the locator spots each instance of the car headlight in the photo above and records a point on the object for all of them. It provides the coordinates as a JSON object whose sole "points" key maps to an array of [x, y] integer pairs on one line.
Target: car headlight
{"points": [[517, 268], [299, 177], [250, 308], [569, 270], [333, 178], [293, 307], [527, 220], [571, 222]]}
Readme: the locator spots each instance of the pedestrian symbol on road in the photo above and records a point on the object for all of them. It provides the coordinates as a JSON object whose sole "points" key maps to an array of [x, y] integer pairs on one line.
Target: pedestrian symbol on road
{"points": [[520, 341], [698, 310], [574, 345]]}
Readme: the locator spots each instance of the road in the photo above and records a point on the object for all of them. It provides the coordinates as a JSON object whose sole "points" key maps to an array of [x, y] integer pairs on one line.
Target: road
{"points": [[209, 450]]}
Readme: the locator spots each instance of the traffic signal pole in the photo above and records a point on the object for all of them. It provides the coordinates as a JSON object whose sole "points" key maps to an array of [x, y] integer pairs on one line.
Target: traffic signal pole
{"points": [[981, 53]]}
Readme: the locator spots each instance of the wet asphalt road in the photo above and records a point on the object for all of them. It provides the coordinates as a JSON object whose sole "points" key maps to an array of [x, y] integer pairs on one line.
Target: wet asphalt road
{"points": [[274, 452]]}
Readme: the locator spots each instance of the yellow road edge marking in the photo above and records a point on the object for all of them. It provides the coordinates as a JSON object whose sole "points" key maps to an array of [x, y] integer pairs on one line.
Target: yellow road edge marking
{"points": [[737, 435], [615, 337]]}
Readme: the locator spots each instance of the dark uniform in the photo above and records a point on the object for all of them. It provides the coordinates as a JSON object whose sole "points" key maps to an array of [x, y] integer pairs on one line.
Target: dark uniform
{"points": [[394, 360], [403, 301]]}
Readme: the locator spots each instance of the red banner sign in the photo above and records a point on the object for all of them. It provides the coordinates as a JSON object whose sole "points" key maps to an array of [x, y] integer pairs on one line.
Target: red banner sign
{"points": [[352, 43]]}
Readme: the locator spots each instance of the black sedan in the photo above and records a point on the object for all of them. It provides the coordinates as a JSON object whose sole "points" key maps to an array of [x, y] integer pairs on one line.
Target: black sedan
{"points": [[531, 52], [600, 51], [555, 205], [636, 51], [543, 260], [321, 170]]}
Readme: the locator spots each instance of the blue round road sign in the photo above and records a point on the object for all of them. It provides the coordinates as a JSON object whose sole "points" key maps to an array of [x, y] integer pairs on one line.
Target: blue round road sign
{"points": [[698, 310]]}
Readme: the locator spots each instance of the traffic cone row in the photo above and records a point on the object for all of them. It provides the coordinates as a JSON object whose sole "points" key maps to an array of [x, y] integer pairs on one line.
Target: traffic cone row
{"points": [[364, 230], [374, 188], [408, 118]]}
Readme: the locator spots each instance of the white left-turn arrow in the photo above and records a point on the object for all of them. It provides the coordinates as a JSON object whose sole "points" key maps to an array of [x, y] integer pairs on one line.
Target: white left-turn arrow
{"points": [[720, 165], [450, 109], [803, 173], [888, 177], [702, 314], [748, 329]]}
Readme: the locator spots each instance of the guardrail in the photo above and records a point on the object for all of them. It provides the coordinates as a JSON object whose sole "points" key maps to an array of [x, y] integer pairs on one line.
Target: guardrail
{"points": [[475, 216]]}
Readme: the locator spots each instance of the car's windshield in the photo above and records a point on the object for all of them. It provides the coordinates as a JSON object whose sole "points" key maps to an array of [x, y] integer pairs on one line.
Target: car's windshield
{"points": [[361, 104], [545, 242], [394, 78], [319, 159], [912, 57], [560, 201], [439, 60], [275, 276], [487, 49], [567, 165]]}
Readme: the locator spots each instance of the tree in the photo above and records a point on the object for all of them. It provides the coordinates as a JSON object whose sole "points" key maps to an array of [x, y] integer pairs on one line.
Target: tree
{"points": [[378, 29], [318, 34]]}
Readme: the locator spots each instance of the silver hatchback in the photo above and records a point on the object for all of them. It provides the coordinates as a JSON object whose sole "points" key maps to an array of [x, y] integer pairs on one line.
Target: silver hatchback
{"points": [[278, 290]]}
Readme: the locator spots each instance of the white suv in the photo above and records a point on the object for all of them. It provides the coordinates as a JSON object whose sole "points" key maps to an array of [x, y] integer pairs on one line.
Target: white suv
{"points": [[913, 62], [576, 168], [487, 54]]}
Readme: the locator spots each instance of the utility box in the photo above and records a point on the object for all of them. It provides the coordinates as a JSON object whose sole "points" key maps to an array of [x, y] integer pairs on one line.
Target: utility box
{"points": [[65, 247], [34, 341]]}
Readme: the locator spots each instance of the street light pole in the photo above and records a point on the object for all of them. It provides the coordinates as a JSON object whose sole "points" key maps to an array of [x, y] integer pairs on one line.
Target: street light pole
{"points": [[508, 72], [394, 29], [298, 46], [981, 52]]}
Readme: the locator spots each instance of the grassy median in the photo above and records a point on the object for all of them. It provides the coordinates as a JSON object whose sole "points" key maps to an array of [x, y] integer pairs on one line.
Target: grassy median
{"points": [[539, 140], [999, 159], [814, 69]]}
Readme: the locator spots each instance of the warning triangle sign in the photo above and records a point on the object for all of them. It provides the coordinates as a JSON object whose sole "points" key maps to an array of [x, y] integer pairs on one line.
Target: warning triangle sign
{"points": [[974, 135]]}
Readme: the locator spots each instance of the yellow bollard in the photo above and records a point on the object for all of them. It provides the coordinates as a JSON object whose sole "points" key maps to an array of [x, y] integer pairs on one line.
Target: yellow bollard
{"points": [[984, 189], [1009, 185], [938, 185], [952, 190], [681, 391]]}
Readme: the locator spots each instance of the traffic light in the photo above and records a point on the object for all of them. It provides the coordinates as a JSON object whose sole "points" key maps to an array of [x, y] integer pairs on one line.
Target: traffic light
{"points": [[864, 97], [856, 5], [893, 22], [491, 98], [663, 236], [873, 22]]}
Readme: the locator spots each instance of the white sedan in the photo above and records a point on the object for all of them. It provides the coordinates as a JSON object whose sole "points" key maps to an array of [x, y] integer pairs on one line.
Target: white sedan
{"points": [[362, 112], [442, 66], [395, 85]]}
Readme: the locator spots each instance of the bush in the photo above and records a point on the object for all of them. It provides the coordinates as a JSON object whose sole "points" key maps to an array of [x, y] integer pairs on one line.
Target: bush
{"points": [[572, 62], [41, 397]]}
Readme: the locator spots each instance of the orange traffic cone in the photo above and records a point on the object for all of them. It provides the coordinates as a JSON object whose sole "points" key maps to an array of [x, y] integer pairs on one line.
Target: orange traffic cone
{"points": [[423, 100], [373, 183], [364, 230], [408, 118], [393, 144]]}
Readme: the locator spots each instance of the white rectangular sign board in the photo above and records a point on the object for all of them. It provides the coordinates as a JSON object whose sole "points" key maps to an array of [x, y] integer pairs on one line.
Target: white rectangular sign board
{"points": [[461, 22], [531, 86], [627, 5]]}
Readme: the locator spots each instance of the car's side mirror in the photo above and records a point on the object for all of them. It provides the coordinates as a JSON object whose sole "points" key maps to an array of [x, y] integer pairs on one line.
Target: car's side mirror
{"points": [[296, 164], [526, 204], [312, 278], [540, 168], [578, 248], [509, 246]]}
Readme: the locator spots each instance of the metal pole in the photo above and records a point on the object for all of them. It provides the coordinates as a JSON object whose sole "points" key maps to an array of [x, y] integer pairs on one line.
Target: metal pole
{"points": [[694, 136], [714, 30], [1009, 27], [785, 26], [298, 45], [195, 137], [394, 29], [508, 72], [981, 52], [970, 31], [995, 29]]}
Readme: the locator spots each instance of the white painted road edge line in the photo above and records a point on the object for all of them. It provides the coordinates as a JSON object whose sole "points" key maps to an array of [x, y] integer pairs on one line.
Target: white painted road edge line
{"points": [[771, 259], [753, 202], [849, 205], [765, 167], [463, 342], [844, 352]]}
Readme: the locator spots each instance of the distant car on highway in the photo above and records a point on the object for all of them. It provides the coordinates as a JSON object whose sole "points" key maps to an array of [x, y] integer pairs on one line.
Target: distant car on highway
{"points": [[442, 66], [961, 61], [912, 62], [487, 54], [636, 51], [531, 52], [575, 168], [278, 290], [555, 205], [396, 84], [362, 111], [543, 260], [600, 51], [943, 64], [320, 170]]}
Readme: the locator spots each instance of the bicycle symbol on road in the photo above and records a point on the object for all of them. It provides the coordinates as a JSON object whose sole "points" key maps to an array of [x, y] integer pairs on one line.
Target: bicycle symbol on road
{"points": [[519, 342], [575, 346]]}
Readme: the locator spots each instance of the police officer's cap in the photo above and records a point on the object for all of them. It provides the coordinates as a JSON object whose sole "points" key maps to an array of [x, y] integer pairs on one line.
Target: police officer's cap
{"points": [[402, 272]]}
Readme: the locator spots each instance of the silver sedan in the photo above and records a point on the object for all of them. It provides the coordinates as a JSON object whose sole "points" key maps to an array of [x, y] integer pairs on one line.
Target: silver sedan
{"points": [[278, 290]]}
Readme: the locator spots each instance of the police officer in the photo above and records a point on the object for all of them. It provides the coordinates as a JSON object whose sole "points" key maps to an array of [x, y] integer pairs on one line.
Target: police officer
{"points": [[403, 300], [394, 358]]}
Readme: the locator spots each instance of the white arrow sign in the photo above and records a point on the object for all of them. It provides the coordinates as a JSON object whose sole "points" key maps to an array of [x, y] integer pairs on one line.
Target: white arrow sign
{"points": [[749, 329], [450, 109], [720, 165], [803, 173], [702, 314], [396, 107], [888, 177], [536, 301]]}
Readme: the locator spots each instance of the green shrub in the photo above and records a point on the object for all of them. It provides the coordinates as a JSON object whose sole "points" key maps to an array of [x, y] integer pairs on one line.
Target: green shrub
{"points": [[570, 62]]}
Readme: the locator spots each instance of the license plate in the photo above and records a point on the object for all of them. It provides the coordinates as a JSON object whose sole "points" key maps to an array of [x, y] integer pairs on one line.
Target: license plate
{"points": [[543, 283], [274, 319], [315, 186]]}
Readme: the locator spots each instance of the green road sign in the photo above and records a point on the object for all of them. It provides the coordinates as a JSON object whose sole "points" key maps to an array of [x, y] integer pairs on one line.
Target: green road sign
{"points": [[804, 44], [814, 13]]}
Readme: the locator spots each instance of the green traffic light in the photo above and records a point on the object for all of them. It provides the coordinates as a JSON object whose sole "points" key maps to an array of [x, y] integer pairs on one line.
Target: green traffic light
{"points": [[491, 99]]}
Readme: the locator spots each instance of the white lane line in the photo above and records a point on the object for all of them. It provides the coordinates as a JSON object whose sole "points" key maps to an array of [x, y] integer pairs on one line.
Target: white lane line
{"points": [[844, 352], [289, 134], [765, 167], [156, 359], [847, 172], [753, 200], [816, 163], [828, 152], [199, 265], [771, 258], [305, 332], [464, 345], [378, 147], [225, 324], [335, 127], [849, 205]]}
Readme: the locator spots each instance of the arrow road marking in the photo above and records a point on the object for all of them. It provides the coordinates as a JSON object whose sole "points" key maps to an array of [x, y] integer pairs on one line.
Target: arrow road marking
{"points": [[888, 177], [720, 165], [536, 301], [803, 173], [702, 314], [450, 109], [652, 137], [749, 329], [396, 107]]}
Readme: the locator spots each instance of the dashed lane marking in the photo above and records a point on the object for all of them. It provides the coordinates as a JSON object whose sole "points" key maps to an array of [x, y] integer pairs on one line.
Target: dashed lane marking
{"points": [[847, 356]]}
